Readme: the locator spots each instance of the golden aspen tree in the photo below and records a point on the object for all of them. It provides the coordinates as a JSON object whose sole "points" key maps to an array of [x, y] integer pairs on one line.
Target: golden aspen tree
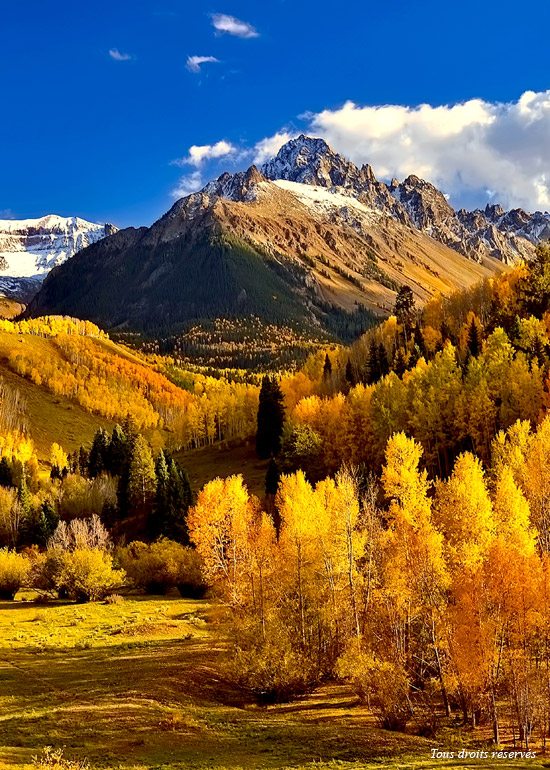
{"points": [[463, 513], [219, 526], [58, 457], [536, 481], [415, 576], [341, 543], [298, 508], [510, 580]]}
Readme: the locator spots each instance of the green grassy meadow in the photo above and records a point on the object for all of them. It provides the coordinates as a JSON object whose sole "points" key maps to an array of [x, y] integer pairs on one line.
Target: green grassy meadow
{"points": [[203, 465], [140, 684]]}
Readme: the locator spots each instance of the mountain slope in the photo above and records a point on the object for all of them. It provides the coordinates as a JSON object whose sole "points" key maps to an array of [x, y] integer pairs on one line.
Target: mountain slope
{"points": [[30, 248], [307, 236]]}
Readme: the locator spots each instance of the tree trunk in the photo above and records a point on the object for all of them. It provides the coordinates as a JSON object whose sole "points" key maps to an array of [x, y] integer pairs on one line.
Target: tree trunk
{"points": [[440, 675]]}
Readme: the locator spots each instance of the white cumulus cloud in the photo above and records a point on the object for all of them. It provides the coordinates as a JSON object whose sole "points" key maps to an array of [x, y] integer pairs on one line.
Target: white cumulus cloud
{"points": [[200, 153], [194, 62], [197, 156], [188, 184], [222, 22], [117, 55], [270, 146], [475, 151]]}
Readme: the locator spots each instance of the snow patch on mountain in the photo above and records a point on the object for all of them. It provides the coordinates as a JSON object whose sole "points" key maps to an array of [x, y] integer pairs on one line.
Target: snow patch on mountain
{"points": [[327, 201]]}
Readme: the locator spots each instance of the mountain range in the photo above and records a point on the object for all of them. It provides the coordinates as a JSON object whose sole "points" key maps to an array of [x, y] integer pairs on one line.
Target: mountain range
{"points": [[30, 248], [306, 235]]}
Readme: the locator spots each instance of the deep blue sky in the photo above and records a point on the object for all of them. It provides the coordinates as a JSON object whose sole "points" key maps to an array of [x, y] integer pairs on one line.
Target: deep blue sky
{"points": [[81, 133]]}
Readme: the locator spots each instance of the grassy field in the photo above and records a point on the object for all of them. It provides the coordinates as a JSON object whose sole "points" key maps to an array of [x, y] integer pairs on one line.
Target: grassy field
{"points": [[205, 464], [140, 684], [52, 418]]}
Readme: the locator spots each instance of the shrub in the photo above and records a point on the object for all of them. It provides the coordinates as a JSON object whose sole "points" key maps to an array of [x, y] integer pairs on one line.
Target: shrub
{"points": [[45, 571], [163, 565], [271, 668], [87, 574], [190, 580], [114, 599], [384, 685], [14, 572], [53, 759]]}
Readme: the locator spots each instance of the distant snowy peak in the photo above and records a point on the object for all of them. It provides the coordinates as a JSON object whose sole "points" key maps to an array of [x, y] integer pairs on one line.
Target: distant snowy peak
{"points": [[30, 248]]}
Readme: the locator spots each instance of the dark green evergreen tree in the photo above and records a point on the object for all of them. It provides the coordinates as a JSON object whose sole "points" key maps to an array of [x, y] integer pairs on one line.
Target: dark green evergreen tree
{"points": [[6, 477], [404, 309], [327, 368], [474, 339], [383, 363], [349, 374], [172, 502], [98, 460], [83, 461], [46, 522], [119, 452], [271, 417]]}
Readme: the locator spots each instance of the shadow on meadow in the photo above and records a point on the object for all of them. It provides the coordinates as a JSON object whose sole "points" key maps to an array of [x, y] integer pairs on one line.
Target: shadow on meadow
{"points": [[142, 702]]}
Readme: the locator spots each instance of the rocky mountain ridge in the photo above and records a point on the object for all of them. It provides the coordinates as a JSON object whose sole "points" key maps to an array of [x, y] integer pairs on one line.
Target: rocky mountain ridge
{"points": [[509, 236], [307, 240]]}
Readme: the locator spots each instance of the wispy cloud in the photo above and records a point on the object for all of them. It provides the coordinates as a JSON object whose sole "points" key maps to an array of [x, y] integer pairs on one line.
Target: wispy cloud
{"points": [[224, 23], [187, 185], [197, 156], [117, 55], [194, 62], [7, 214]]}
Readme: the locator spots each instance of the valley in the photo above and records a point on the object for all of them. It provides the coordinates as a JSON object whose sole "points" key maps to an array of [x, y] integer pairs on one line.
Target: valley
{"points": [[307, 244], [260, 466]]}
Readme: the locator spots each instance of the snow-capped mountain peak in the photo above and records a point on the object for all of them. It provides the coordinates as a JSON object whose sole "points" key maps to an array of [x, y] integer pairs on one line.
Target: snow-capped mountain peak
{"points": [[30, 248], [309, 162]]}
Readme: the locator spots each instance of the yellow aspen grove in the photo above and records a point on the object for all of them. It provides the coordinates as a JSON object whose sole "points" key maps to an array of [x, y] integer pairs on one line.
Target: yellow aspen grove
{"points": [[219, 526]]}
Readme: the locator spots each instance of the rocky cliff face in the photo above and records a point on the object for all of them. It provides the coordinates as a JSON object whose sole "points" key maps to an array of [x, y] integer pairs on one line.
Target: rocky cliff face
{"points": [[476, 234], [506, 236]]}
